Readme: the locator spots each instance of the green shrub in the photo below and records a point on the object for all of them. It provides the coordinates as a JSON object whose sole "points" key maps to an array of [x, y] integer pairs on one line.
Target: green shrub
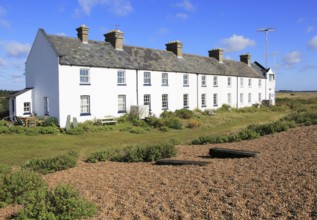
{"points": [[164, 129], [270, 128], [3, 123], [53, 164], [302, 117], [224, 108], [4, 169], [173, 122], [15, 186], [245, 134], [133, 154], [136, 153], [166, 114], [76, 131], [50, 121], [184, 113], [63, 202]]}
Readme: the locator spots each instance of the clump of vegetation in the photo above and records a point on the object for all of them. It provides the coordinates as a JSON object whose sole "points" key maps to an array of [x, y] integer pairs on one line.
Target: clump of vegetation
{"points": [[251, 132], [184, 113], [136, 153], [50, 121], [50, 165], [29, 131], [15, 186], [28, 189], [62, 202], [302, 117], [193, 123]]}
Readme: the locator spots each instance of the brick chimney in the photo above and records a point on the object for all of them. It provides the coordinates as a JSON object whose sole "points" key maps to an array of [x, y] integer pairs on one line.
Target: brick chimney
{"points": [[82, 33], [176, 47], [115, 38], [216, 53], [245, 58]]}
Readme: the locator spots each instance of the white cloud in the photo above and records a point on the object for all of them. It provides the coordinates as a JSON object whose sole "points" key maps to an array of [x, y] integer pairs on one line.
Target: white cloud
{"points": [[236, 43], [16, 49], [292, 58], [182, 16], [310, 29], [17, 77], [163, 31], [117, 7], [2, 62], [61, 34], [2, 11], [4, 23], [186, 5], [313, 43]]}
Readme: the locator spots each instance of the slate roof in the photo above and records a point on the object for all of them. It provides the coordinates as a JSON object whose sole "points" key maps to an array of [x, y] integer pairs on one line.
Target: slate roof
{"points": [[20, 92], [102, 54]]}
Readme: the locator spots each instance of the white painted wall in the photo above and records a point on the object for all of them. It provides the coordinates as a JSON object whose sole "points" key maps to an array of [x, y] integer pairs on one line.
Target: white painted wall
{"points": [[103, 91], [42, 75], [19, 104], [175, 91]]}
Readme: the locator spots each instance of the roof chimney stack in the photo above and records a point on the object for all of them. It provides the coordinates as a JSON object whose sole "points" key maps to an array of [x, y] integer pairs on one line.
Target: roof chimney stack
{"points": [[175, 47], [216, 53], [246, 58], [115, 38], [82, 33]]}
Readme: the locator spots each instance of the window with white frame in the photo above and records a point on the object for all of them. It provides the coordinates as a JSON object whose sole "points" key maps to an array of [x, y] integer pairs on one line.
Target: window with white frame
{"points": [[229, 98], [215, 101], [84, 77], [121, 77], [164, 79], [260, 98], [121, 103], [185, 80], [147, 100], [185, 101], [249, 97], [241, 82], [147, 78], [215, 81], [203, 100], [84, 104], [260, 83], [203, 81], [165, 101], [229, 81], [27, 107], [271, 77], [250, 83], [241, 98]]}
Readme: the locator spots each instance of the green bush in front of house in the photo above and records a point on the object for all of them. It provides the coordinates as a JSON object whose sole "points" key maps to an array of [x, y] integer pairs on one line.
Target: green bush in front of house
{"points": [[50, 165], [136, 153]]}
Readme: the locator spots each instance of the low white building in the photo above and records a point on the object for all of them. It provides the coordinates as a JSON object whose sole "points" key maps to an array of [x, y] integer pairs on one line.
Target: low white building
{"points": [[90, 79]]}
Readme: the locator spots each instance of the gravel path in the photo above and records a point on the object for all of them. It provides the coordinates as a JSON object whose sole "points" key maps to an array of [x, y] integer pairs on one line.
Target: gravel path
{"points": [[280, 182]]}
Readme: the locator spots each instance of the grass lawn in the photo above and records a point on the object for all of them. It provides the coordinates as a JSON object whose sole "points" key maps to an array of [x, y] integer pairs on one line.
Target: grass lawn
{"points": [[17, 149]]}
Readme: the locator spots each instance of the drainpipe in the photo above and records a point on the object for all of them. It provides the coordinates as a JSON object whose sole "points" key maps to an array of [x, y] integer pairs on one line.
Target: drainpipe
{"points": [[237, 92], [197, 92], [137, 87]]}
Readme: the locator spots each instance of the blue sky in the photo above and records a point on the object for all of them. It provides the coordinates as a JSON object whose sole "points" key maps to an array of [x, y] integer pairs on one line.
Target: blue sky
{"points": [[201, 25]]}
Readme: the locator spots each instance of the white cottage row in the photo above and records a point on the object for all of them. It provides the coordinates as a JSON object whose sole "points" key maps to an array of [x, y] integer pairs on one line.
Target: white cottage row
{"points": [[91, 79]]}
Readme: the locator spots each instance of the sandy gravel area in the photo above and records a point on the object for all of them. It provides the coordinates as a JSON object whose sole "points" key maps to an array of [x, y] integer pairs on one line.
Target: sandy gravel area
{"points": [[280, 183]]}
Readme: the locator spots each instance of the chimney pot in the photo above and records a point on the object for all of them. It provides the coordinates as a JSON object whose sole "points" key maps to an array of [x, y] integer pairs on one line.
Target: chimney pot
{"points": [[216, 53], [175, 47], [246, 58], [82, 33], [115, 38]]}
